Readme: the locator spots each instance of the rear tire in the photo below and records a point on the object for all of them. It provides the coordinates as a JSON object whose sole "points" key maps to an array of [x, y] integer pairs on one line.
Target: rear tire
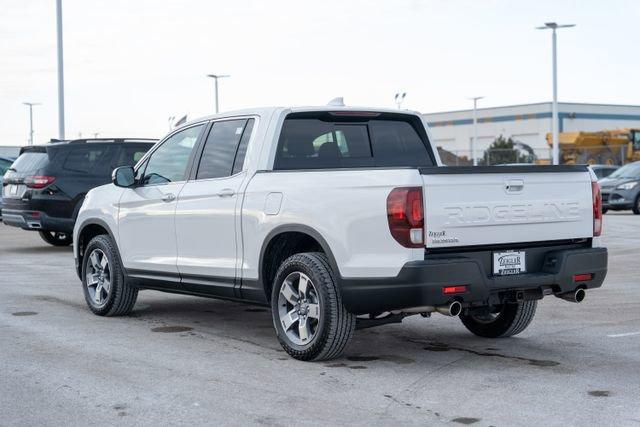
{"points": [[106, 291], [310, 321], [605, 210], [636, 206], [56, 238], [510, 319]]}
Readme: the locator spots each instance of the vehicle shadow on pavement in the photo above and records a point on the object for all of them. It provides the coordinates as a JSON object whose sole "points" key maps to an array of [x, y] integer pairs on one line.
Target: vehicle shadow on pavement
{"points": [[39, 249], [398, 344]]}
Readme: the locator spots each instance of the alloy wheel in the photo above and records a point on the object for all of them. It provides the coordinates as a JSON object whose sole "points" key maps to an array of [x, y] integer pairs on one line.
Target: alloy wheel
{"points": [[98, 277], [299, 308]]}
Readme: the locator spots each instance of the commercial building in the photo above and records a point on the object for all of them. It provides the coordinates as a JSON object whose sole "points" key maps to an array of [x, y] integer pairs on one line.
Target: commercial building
{"points": [[527, 124]]}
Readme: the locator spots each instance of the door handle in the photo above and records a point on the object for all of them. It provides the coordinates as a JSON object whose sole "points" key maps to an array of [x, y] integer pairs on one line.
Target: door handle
{"points": [[168, 197], [226, 192]]}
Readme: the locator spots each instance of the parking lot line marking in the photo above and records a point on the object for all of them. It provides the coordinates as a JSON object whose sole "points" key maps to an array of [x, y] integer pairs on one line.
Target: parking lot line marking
{"points": [[628, 334]]}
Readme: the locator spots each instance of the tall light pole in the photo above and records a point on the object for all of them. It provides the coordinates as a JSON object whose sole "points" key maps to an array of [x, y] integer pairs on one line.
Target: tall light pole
{"points": [[399, 99], [475, 129], [31, 105], [554, 105], [60, 71], [215, 78]]}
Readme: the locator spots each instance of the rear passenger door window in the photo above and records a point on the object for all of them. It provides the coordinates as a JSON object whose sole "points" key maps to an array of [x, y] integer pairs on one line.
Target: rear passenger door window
{"points": [[225, 149]]}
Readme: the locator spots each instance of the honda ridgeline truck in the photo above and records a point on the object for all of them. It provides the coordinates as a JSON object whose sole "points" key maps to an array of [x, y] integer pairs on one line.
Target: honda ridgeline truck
{"points": [[336, 217]]}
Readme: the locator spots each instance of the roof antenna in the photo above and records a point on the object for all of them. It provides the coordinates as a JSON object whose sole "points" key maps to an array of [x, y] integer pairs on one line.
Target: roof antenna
{"points": [[336, 102]]}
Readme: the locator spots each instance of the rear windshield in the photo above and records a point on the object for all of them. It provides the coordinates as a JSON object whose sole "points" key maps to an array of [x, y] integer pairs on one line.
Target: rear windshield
{"points": [[30, 161], [325, 140]]}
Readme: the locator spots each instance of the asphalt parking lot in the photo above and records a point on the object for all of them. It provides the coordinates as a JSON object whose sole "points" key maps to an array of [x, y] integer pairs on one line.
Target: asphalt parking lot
{"points": [[187, 360]]}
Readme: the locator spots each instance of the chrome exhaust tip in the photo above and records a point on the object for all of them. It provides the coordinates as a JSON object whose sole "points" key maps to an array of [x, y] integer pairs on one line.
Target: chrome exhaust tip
{"points": [[452, 310], [576, 296]]}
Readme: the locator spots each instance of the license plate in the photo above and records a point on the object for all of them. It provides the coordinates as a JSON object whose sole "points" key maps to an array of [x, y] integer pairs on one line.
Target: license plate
{"points": [[509, 262]]}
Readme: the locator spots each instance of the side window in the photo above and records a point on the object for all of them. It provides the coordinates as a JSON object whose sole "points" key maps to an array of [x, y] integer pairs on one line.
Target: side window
{"points": [[169, 162], [4, 166], [220, 149], [84, 159], [238, 163], [129, 155]]}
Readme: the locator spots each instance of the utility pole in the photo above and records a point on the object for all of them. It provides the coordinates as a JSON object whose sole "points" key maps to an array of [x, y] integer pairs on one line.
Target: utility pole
{"points": [[474, 139], [31, 105], [215, 78], [60, 71], [554, 104]]}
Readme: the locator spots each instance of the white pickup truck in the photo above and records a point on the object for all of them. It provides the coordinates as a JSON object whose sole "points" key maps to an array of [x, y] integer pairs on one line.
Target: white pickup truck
{"points": [[336, 217]]}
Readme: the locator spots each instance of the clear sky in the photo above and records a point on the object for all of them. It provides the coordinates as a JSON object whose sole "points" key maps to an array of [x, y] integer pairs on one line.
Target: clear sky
{"points": [[130, 64]]}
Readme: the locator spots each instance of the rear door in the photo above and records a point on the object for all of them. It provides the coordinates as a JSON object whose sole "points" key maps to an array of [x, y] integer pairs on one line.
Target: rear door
{"points": [[147, 212], [470, 206], [206, 220]]}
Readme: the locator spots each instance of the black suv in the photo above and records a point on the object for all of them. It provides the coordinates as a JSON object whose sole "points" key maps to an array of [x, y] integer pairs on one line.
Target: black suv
{"points": [[44, 188]]}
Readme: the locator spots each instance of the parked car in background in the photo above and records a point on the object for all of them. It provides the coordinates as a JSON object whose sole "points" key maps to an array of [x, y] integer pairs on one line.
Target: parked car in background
{"points": [[44, 188], [603, 171], [5, 164], [329, 213], [621, 189]]}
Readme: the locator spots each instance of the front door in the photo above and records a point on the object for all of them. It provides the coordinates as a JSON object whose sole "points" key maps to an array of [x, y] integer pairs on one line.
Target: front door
{"points": [[147, 212], [207, 214]]}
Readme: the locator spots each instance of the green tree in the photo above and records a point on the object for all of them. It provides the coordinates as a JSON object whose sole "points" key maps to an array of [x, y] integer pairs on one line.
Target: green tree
{"points": [[501, 151]]}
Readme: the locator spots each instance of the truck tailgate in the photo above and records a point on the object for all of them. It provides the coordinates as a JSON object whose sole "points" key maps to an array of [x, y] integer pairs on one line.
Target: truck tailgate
{"points": [[469, 206]]}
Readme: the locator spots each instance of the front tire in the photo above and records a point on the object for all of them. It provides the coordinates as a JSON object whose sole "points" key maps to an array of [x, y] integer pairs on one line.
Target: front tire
{"points": [[56, 238], [636, 206], [500, 322], [105, 289], [310, 321]]}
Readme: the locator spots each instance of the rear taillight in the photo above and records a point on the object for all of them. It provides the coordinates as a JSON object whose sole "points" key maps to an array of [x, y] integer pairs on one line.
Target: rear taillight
{"points": [[38, 181], [405, 213], [597, 209]]}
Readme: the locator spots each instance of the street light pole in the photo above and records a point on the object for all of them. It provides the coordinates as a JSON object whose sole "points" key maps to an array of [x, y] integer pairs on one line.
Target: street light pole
{"points": [[215, 78], [31, 105], [399, 98], [60, 71], [475, 129], [554, 104]]}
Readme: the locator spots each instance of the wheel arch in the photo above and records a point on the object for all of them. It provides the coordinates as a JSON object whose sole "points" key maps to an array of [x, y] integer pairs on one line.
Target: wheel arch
{"points": [[303, 239], [87, 231]]}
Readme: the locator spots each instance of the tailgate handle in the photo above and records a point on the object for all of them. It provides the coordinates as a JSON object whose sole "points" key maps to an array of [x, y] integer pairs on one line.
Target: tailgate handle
{"points": [[514, 186]]}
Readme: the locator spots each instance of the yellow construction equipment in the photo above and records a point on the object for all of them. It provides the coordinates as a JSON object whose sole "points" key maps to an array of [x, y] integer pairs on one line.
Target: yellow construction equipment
{"points": [[608, 147]]}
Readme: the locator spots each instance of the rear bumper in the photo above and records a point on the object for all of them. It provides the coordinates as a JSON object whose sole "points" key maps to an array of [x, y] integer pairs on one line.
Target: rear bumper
{"points": [[420, 283], [36, 220]]}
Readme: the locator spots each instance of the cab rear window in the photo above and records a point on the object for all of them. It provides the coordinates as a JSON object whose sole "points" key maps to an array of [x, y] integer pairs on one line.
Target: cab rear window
{"points": [[328, 141]]}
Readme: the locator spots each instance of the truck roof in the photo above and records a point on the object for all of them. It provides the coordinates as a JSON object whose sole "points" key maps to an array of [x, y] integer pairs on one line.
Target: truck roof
{"points": [[268, 111]]}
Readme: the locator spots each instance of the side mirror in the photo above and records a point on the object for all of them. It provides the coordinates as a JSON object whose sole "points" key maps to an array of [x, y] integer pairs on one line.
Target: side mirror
{"points": [[124, 176]]}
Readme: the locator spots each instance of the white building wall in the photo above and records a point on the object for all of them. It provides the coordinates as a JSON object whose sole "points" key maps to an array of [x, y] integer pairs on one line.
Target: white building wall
{"points": [[529, 124]]}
